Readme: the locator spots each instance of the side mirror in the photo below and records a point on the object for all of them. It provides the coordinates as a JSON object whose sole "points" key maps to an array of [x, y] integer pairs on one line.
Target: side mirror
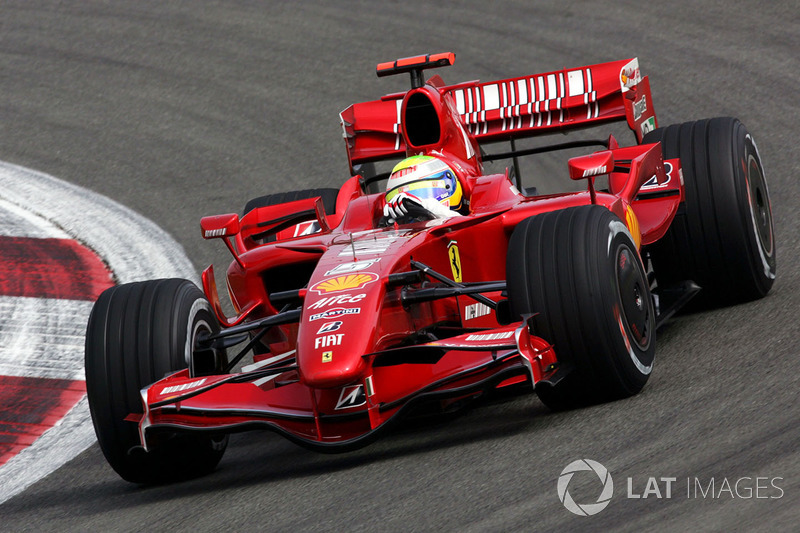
{"points": [[220, 226], [588, 166]]}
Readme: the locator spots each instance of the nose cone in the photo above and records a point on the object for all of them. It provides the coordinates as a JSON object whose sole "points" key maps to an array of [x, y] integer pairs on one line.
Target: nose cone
{"points": [[343, 306], [320, 376], [330, 349], [335, 332]]}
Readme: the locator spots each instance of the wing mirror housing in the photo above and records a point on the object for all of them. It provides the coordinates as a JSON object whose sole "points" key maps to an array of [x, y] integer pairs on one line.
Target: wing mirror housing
{"points": [[220, 226], [591, 165]]}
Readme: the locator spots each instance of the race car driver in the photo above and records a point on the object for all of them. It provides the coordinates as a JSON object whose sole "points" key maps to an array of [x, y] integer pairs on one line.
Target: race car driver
{"points": [[423, 187]]}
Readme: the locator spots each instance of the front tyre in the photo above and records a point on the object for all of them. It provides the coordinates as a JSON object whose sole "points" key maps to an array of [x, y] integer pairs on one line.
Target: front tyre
{"points": [[579, 272], [137, 334]]}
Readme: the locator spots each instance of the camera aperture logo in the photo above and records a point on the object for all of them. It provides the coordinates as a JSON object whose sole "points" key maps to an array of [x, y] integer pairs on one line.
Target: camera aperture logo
{"points": [[585, 509], [746, 487]]}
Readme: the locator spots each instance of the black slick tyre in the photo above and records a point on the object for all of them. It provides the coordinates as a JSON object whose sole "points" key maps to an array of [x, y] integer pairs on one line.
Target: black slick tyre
{"points": [[579, 272], [137, 334], [722, 236]]}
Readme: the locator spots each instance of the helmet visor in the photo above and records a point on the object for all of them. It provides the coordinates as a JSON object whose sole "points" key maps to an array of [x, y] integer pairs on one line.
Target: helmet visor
{"points": [[439, 187]]}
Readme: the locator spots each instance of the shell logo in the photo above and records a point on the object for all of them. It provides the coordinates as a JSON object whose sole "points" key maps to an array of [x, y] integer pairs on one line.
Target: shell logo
{"points": [[633, 226], [344, 283]]}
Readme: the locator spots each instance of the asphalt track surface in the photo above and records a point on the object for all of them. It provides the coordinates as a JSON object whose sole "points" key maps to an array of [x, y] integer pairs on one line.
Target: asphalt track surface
{"points": [[183, 109]]}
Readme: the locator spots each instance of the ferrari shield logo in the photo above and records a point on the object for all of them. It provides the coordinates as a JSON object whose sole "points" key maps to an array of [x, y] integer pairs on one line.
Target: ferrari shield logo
{"points": [[455, 261]]}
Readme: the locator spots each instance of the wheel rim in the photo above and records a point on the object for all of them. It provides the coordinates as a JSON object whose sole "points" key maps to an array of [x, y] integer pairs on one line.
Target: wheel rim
{"points": [[760, 210], [632, 293], [200, 360]]}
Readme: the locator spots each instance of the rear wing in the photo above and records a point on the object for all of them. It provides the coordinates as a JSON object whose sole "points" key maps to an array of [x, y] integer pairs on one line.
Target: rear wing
{"points": [[512, 108]]}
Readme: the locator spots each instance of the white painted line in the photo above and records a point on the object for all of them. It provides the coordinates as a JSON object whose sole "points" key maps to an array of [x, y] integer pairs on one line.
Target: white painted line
{"points": [[18, 222], [42, 337], [135, 249]]}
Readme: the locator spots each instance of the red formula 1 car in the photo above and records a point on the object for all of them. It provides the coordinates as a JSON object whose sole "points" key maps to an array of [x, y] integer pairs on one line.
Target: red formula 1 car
{"points": [[349, 321]]}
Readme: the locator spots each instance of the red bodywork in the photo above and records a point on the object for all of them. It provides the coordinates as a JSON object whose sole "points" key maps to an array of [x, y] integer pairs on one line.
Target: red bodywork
{"points": [[366, 340]]}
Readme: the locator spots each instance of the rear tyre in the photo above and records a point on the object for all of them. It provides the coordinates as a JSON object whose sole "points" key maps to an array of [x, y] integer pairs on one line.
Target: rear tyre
{"points": [[578, 271], [328, 199], [137, 334], [722, 236]]}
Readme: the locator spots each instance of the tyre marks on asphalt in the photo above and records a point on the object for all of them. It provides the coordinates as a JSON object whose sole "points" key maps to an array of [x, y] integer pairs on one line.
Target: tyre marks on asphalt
{"points": [[60, 246]]}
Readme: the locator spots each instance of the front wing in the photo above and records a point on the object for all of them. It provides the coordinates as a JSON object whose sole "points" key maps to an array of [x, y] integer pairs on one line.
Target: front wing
{"points": [[344, 418]]}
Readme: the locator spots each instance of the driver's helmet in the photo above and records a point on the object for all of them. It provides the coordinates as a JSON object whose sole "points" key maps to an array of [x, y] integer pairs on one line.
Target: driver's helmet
{"points": [[425, 177]]}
